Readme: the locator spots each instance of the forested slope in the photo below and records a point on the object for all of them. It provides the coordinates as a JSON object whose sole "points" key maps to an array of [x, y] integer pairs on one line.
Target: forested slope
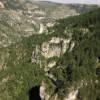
{"points": [[76, 40], [80, 67]]}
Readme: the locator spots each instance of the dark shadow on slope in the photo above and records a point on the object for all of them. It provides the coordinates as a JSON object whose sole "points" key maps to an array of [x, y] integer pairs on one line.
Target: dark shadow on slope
{"points": [[34, 93]]}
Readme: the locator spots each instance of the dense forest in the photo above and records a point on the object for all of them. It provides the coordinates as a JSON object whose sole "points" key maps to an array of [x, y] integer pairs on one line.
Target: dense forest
{"points": [[82, 64]]}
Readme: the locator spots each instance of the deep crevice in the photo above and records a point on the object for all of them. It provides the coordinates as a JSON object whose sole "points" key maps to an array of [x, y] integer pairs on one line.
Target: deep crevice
{"points": [[34, 93]]}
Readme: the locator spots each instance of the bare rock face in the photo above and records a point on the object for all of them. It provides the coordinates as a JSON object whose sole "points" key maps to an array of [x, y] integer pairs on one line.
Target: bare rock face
{"points": [[72, 95], [43, 94], [55, 47], [1, 5]]}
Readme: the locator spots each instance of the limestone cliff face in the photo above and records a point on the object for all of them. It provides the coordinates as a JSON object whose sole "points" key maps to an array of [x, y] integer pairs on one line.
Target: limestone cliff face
{"points": [[55, 47], [2, 5], [72, 95]]}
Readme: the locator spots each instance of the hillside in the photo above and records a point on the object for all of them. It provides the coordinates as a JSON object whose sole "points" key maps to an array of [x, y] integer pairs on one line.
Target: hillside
{"points": [[24, 18], [64, 60]]}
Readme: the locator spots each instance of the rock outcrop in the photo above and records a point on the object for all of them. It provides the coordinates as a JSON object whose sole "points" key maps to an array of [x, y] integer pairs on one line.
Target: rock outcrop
{"points": [[1, 5]]}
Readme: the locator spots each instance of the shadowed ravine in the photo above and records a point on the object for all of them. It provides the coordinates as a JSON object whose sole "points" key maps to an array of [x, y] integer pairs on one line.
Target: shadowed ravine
{"points": [[34, 93]]}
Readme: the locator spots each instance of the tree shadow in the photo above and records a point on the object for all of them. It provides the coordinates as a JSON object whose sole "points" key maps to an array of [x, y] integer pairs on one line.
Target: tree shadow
{"points": [[34, 93]]}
